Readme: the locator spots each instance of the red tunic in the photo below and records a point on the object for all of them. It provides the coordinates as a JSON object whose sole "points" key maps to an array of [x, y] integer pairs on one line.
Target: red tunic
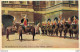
{"points": [[48, 23], [52, 23], [55, 23], [75, 21], [45, 24], [25, 23], [69, 22]]}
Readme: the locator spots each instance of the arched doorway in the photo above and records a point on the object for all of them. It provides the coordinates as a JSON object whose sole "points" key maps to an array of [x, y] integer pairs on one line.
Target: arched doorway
{"points": [[7, 20]]}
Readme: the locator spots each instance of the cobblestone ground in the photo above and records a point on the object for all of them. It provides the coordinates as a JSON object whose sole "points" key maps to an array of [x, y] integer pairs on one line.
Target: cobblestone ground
{"points": [[41, 41]]}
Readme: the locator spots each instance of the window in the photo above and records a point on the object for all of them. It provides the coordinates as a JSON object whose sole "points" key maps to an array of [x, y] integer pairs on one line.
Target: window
{"points": [[52, 3], [28, 2], [37, 3], [73, 2], [5, 1], [21, 2]]}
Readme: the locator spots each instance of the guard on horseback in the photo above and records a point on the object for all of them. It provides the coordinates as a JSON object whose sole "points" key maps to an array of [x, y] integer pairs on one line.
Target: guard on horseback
{"points": [[24, 22]]}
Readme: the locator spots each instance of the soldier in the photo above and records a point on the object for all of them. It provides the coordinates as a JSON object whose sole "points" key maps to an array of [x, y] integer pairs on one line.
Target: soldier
{"points": [[49, 28], [59, 21], [69, 21], [75, 26], [48, 22], [63, 21], [55, 28], [74, 20], [24, 23], [60, 27], [52, 23]]}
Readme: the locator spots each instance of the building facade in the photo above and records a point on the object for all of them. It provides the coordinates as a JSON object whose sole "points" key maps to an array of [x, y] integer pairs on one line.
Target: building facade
{"points": [[38, 11], [53, 9], [18, 9]]}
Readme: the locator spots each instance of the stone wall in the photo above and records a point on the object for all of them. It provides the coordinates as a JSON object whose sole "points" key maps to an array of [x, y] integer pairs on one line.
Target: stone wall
{"points": [[53, 15], [67, 14], [37, 18], [19, 15]]}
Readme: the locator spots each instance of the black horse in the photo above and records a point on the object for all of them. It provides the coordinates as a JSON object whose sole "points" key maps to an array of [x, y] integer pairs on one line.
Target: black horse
{"points": [[60, 28], [74, 30], [71, 29], [27, 29], [66, 29]]}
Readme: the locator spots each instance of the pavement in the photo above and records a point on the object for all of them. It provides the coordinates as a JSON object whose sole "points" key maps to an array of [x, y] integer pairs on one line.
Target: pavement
{"points": [[41, 41]]}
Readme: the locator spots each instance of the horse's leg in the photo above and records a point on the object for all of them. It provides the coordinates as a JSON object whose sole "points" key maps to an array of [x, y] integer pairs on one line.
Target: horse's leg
{"points": [[43, 31], [7, 34], [77, 36], [51, 32], [46, 32], [70, 33], [64, 34], [60, 34], [33, 37], [56, 32], [21, 35], [33, 34]]}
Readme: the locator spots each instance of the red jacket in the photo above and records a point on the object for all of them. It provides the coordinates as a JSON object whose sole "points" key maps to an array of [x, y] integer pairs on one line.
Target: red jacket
{"points": [[25, 23]]}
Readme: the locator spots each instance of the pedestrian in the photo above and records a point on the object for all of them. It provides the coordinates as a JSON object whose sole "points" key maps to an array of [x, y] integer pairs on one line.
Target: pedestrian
{"points": [[40, 30]]}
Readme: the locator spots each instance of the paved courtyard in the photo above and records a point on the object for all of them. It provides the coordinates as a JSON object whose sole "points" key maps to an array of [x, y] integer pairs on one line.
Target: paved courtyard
{"points": [[41, 41]]}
